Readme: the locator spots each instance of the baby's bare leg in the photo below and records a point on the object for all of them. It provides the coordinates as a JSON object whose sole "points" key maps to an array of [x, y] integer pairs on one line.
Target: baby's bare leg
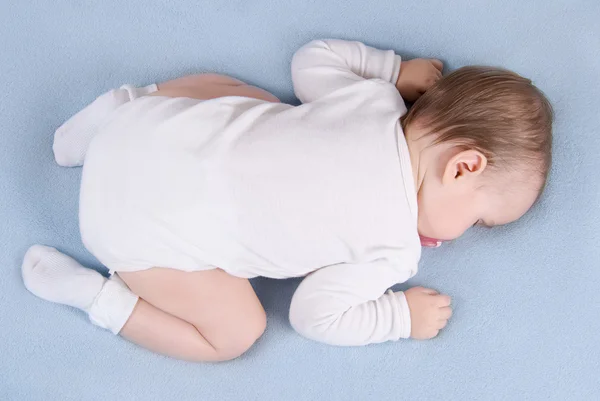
{"points": [[211, 86], [197, 316], [200, 316]]}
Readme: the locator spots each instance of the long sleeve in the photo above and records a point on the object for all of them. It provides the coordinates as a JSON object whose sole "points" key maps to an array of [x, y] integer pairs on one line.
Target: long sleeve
{"points": [[346, 304], [324, 66]]}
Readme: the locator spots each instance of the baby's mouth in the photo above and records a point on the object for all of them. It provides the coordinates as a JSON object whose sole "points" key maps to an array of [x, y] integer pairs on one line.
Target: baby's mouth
{"points": [[428, 242]]}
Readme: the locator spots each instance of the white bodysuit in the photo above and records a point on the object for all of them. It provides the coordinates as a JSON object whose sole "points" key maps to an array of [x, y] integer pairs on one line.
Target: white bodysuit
{"points": [[323, 190]]}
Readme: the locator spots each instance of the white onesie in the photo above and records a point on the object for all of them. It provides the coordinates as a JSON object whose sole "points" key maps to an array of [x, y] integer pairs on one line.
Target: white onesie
{"points": [[324, 189]]}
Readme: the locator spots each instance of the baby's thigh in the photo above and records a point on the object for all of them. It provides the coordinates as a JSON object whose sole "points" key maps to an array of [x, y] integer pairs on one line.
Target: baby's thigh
{"points": [[211, 86], [224, 308]]}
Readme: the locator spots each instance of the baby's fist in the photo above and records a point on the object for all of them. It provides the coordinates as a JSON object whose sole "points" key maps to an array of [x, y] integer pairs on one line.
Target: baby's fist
{"points": [[417, 76], [429, 312]]}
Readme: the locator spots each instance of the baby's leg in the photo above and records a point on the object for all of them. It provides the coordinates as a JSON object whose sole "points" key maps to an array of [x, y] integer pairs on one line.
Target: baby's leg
{"points": [[211, 86], [198, 316], [72, 139]]}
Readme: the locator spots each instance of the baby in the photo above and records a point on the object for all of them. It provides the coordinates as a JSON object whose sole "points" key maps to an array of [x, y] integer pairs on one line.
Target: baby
{"points": [[193, 186]]}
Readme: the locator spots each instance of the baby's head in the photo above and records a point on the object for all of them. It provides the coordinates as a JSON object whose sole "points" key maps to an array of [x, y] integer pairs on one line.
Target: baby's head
{"points": [[480, 142]]}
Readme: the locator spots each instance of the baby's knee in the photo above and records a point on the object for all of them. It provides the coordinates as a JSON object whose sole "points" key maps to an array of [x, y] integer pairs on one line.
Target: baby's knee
{"points": [[235, 343]]}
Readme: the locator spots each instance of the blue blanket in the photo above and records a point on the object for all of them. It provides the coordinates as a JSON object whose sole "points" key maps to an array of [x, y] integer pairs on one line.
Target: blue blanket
{"points": [[527, 296]]}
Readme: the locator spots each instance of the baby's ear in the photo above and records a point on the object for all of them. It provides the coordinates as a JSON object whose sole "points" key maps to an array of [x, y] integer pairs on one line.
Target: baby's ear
{"points": [[466, 164]]}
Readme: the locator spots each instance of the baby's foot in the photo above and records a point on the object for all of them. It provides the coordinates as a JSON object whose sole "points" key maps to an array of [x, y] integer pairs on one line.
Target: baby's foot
{"points": [[58, 278], [72, 139]]}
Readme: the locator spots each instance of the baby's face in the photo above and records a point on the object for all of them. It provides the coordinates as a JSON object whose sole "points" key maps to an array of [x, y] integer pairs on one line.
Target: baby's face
{"points": [[457, 189], [448, 209]]}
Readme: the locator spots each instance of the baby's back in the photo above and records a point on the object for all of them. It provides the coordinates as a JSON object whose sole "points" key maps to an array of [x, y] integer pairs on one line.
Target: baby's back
{"points": [[252, 187]]}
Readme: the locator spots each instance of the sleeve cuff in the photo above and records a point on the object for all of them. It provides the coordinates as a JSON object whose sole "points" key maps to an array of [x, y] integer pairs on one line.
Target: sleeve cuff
{"points": [[396, 69], [403, 314]]}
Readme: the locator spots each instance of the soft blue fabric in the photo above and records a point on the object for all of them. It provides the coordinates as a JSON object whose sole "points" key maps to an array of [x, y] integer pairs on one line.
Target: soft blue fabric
{"points": [[527, 296]]}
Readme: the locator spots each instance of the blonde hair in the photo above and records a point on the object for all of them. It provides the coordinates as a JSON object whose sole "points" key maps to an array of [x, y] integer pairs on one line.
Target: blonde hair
{"points": [[491, 110]]}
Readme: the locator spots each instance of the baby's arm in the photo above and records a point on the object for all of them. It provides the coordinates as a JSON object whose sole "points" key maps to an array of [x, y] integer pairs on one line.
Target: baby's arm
{"points": [[347, 304], [324, 66]]}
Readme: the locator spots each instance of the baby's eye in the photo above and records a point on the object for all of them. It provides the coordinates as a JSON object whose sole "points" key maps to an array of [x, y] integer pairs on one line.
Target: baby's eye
{"points": [[477, 222]]}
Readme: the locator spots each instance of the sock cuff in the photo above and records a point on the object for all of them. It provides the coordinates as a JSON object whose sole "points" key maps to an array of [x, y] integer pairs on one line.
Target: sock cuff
{"points": [[113, 306], [146, 90], [134, 92], [114, 276]]}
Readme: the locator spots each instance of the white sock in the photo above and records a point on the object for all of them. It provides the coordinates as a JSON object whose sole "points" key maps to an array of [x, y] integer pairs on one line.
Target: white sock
{"points": [[56, 277], [72, 139], [113, 306]]}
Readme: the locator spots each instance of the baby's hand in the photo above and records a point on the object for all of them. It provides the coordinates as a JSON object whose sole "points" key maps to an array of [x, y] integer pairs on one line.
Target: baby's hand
{"points": [[418, 75], [429, 312]]}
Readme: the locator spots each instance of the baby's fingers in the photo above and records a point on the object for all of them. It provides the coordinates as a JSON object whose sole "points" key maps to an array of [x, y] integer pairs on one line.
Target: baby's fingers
{"points": [[434, 73], [437, 64], [430, 79], [442, 300], [445, 313], [441, 324]]}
